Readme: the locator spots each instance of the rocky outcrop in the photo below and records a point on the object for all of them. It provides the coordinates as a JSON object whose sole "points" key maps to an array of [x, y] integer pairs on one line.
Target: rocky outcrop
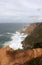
{"points": [[10, 57], [29, 28], [34, 39], [32, 56]]}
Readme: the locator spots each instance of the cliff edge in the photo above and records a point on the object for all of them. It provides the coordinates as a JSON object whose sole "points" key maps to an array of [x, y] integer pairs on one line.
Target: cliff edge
{"points": [[34, 39], [10, 57]]}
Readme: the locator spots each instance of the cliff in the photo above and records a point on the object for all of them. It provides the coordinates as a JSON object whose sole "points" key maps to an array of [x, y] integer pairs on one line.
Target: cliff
{"points": [[31, 56], [34, 40], [10, 57], [29, 28]]}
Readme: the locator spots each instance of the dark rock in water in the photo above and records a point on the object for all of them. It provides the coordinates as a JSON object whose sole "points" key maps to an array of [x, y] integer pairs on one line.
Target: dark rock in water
{"points": [[34, 40]]}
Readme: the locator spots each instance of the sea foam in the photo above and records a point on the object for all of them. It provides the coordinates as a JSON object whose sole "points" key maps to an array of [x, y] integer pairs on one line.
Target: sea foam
{"points": [[17, 38]]}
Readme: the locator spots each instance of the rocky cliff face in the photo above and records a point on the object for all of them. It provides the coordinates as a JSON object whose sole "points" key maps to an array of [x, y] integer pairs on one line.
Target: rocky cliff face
{"points": [[29, 28], [10, 57], [34, 39]]}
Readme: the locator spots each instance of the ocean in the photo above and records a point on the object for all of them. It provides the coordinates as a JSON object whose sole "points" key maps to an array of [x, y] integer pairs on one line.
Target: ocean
{"points": [[10, 35]]}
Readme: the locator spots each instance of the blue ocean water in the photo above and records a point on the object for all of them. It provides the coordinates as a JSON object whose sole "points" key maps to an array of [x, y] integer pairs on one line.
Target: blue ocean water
{"points": [[7, 30]]}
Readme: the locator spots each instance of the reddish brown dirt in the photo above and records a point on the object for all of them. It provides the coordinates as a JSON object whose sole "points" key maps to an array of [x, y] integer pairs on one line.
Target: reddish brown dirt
{"points": [[10, 57]]}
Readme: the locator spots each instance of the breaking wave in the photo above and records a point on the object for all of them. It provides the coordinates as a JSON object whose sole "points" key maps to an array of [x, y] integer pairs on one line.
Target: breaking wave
{"points": [[15, 43]]}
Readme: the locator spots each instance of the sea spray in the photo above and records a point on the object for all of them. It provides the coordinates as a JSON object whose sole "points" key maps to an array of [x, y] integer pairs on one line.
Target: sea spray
{"points": [[17, 38]]}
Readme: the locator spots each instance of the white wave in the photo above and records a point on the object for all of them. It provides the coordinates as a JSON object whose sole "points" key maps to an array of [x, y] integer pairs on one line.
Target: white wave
{"points": [[17, 38], [9, 33]]}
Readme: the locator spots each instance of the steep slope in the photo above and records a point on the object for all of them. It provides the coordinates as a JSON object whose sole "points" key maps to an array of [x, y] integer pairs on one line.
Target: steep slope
{"points": [[29, 28], [10, 57], [34, 38]]}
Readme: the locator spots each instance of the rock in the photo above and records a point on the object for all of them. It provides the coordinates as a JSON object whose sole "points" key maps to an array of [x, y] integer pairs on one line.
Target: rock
{"points": [[34, 37], [10, 57], [34, 40], [29, 28]]}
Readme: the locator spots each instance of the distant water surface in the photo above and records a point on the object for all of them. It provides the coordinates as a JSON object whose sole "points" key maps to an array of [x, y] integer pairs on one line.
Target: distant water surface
{"points": [[7, 31]]}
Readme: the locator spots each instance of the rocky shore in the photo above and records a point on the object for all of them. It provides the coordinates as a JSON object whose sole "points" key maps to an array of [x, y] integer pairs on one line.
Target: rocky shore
{"points": [[32, 48], [34, 40]]}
